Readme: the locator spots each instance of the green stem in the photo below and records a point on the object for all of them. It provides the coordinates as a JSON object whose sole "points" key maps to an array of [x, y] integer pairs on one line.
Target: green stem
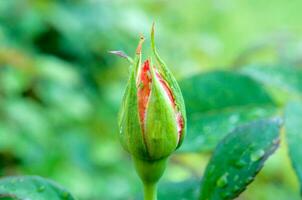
{"points": [[150, 191], [150, 173]]}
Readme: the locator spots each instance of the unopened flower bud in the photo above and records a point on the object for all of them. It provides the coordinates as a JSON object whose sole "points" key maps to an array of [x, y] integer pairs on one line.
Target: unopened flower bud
{"points": [[152, 121], [152, 118]]}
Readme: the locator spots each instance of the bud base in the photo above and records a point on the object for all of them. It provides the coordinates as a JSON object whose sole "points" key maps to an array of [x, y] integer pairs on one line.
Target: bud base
{"points": [[150, 172]]}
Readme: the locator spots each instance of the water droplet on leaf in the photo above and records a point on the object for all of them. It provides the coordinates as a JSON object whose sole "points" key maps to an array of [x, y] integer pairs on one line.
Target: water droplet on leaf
{"points": [[240, 163], [236, 188], [225, 194], [41, 188], [257, 155], [223, 180], [236, 177]]}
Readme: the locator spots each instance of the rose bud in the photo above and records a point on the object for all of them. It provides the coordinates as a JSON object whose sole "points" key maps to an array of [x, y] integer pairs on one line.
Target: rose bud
{"points": [[152, 118]]}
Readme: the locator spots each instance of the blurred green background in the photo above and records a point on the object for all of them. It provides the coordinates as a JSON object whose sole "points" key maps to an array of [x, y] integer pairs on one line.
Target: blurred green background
{"points": [[60, 90]]}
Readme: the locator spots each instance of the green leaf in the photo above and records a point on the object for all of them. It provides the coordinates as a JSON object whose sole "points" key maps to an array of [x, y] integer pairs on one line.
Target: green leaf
{"points": [[238, 158], [287, 78], [217, 102], [186, 190], [33, 188], [293, 127]]}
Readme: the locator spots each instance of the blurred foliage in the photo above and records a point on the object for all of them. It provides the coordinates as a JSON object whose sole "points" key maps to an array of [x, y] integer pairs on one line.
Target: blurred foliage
{"points": [[32, 187], [293, 127], [60, 89]]}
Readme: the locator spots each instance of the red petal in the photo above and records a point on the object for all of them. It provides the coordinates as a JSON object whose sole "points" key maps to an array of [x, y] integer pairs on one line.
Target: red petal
{"points": [[144, 88]]}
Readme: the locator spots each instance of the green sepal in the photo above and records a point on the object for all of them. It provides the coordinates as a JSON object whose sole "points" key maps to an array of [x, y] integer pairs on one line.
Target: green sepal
{"points": [[150, 171], [131, 135], [160, 133], [122, 55], [169, 78]]}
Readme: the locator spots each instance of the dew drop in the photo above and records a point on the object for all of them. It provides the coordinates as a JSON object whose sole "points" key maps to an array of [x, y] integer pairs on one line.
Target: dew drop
{"points": [[257, 155], [236, 188], [240, 163], [223, 180], [41, 188], [225, 195]]}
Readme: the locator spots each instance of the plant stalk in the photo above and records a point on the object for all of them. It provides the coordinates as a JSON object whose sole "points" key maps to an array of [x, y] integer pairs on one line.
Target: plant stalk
{"points": [[150, 173], [150, 191]]}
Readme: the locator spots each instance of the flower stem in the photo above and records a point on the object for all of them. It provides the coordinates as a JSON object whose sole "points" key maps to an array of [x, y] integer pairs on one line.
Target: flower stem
{"points": [[150, 191], [150, 173]]}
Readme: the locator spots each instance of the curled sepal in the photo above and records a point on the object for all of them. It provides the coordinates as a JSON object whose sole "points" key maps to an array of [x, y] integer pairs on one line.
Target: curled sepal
{"points": [[122, 55]]}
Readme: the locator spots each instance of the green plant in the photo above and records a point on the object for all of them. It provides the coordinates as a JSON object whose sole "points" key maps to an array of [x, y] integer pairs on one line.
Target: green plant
{"points": [[231, 114], [153, 119]]}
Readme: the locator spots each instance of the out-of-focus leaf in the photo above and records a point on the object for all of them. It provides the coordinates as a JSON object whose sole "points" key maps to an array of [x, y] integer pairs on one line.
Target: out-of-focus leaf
{"points": [[293, 125], [238, 158], [218, 102], [12, 81], [56, 78], [57, 70], [32, 187], [186, 190], [287, 78], [221, 89]]}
